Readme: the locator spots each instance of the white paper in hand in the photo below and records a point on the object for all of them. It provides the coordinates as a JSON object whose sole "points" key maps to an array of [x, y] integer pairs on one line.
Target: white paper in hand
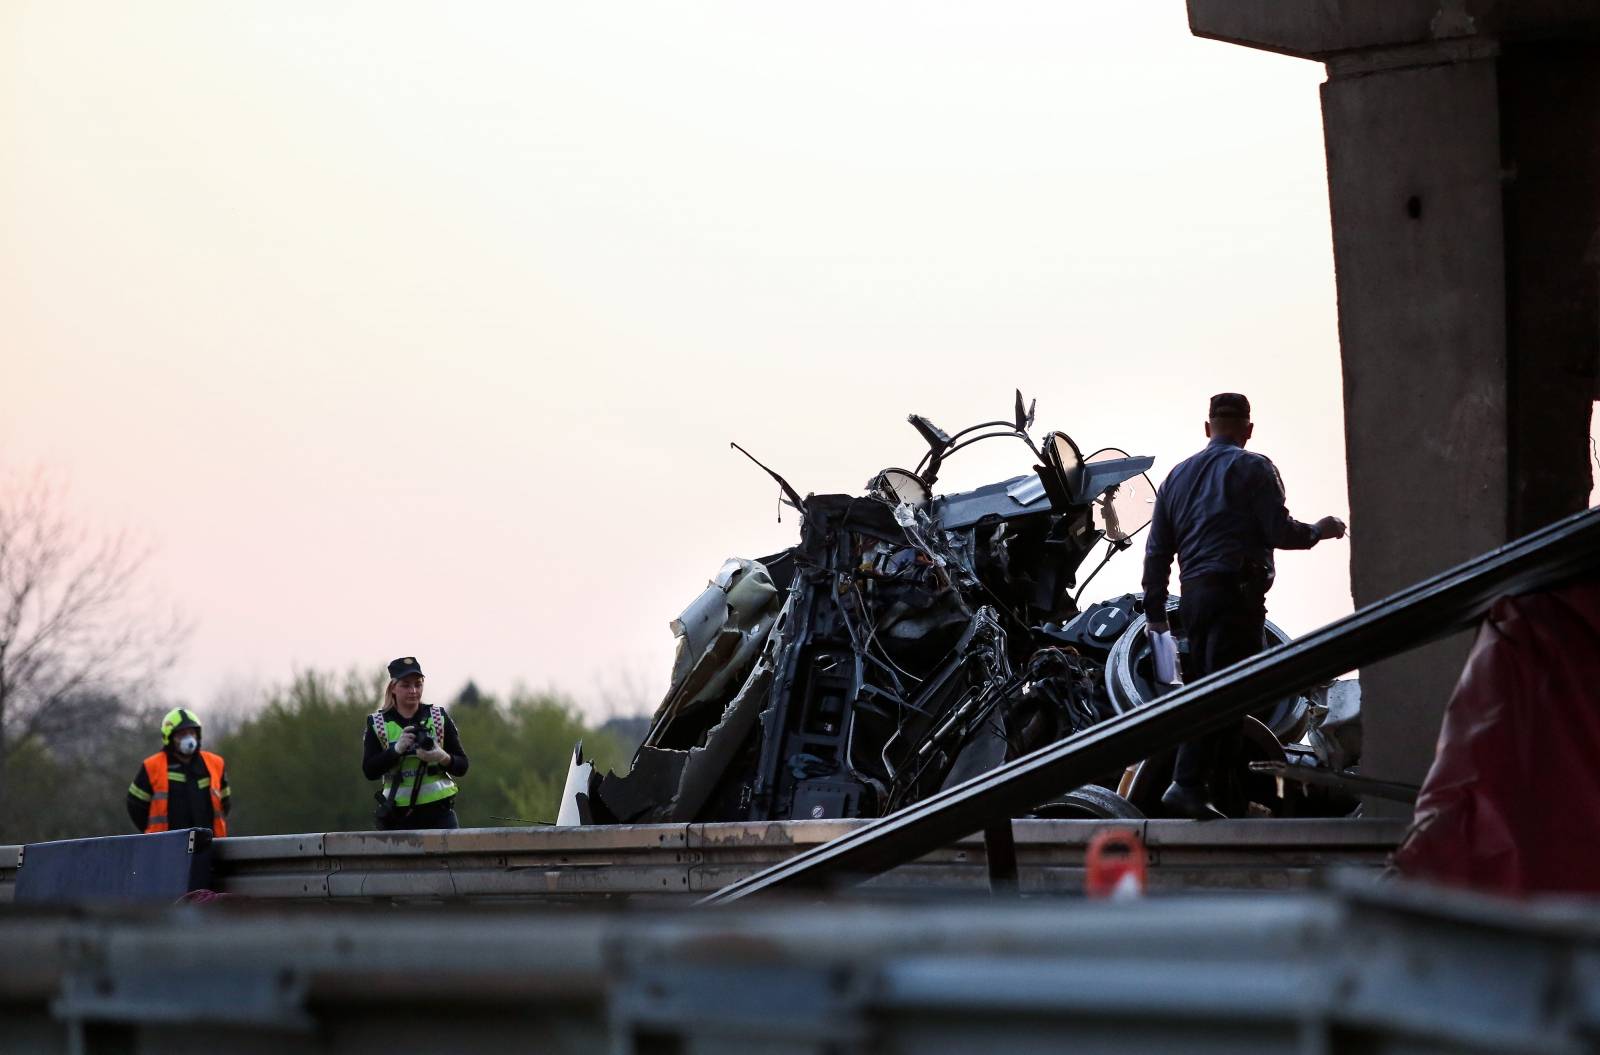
{"points": [[1164, 657]]}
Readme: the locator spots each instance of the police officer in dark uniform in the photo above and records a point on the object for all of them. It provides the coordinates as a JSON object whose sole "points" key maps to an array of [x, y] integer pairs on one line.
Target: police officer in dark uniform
{"points": [[1222, 513], [417, 753]]}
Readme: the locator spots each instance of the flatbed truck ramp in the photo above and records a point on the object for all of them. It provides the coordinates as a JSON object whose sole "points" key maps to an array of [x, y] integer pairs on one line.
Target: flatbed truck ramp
{"points": [[686, 861]]}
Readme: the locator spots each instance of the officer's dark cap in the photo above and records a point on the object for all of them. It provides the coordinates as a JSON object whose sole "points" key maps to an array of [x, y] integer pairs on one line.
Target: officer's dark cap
{"points": [[1226, 405], [404, 667]]}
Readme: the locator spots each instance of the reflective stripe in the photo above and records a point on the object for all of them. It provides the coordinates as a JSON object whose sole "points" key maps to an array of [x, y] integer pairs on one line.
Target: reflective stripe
{"points": [[133, 789], [429, 792], [160, 796], [178, 775], [215, 776], [203, 782], [226, 791]]}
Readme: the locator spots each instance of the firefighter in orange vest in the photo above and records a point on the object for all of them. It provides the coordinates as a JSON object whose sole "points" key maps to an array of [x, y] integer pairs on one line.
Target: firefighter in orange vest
{"points": [[180, 786]]}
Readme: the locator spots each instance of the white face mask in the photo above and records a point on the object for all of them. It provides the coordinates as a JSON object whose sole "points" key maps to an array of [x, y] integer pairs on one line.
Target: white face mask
{"points": [[187, 743]]}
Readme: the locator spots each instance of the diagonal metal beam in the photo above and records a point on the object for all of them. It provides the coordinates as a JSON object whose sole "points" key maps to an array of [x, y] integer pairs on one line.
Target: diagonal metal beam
{"points": [[1434, 608]]}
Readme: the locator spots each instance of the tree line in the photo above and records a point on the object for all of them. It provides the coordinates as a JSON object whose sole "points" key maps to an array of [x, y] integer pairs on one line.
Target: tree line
{"points": [[294, 765]]}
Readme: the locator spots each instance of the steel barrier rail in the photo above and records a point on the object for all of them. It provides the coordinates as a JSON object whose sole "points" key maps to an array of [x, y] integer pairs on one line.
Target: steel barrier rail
{"points": [[1381, 970], [1425, 612], [667, 861]]}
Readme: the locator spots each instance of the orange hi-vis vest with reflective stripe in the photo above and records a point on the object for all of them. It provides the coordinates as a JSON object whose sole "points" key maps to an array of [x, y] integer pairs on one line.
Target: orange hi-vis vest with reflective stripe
{"points": [[155, 767]]}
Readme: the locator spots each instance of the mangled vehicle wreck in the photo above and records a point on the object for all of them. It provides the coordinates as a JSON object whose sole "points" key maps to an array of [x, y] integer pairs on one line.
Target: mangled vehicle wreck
{"points": [[911, 641]]}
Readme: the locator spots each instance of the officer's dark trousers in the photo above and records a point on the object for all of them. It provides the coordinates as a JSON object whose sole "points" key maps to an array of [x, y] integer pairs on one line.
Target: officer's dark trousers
{"points": [[440, 814], [1224, 617]]}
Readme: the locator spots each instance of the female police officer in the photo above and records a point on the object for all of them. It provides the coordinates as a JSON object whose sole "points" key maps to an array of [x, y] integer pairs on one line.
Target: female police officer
{"points": [[417, 753]]}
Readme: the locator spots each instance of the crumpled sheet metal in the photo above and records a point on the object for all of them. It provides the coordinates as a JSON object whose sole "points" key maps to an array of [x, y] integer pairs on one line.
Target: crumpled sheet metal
{"points": [[1512, 802], [720, 636], [735, 598], [706, 765]]}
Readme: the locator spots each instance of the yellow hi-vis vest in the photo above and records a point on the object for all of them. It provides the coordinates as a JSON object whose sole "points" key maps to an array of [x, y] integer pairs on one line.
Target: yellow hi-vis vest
{"points": [[436, 785]]}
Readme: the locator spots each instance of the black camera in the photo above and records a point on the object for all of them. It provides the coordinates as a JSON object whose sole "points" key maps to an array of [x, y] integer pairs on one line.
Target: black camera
{"points": [[423, 741]]}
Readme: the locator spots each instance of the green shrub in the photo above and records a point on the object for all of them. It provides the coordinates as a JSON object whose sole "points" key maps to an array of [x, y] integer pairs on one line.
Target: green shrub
{"points": [[295, 766]]}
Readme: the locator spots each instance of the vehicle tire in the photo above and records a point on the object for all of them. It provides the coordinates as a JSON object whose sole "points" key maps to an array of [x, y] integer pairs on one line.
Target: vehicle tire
{"points": [[1129, 684], [1090, 802]]}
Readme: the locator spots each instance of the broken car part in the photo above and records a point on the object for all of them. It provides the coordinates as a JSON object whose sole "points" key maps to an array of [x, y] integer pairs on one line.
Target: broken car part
{"points": [[909, 642]]}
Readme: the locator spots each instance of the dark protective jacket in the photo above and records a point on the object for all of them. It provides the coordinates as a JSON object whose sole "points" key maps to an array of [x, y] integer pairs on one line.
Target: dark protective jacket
{"points": [[1220, 511], [1512, 802], [189, 800]]}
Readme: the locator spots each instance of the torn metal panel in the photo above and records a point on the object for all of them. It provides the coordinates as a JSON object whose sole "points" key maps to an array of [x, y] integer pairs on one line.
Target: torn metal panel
{"points": [[731, 621], [644, 794], [1098, 476], [707, 765], [1022, 494], [719, 635], [575, 793]]}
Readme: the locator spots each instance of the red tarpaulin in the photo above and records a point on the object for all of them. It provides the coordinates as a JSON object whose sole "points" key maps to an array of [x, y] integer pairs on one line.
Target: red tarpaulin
{"points": [[1512, 803]]}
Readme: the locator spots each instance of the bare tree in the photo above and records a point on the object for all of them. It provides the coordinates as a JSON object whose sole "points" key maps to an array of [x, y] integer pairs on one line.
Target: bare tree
{"points": [[71, 623]]}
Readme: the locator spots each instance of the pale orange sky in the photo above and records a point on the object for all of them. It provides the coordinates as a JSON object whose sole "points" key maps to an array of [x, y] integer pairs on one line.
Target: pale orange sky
{"points": [[413, 328]]}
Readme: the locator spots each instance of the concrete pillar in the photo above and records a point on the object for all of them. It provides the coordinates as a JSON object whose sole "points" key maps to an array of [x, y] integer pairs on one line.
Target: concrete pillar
{"points": [[1414, 190], [1463, 144]]}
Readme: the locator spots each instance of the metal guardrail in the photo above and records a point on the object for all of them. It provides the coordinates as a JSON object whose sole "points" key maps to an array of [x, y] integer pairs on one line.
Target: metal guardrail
{"points": [[1387, 970], [1425, 612], [678, 860]]}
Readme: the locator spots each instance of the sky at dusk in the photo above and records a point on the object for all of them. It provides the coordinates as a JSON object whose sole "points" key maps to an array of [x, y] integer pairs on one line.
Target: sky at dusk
{"points": [[405, 328]]}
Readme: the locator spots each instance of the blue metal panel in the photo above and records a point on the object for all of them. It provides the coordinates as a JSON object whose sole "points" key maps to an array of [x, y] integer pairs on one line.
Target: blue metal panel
{"points": [[118, 868]]}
